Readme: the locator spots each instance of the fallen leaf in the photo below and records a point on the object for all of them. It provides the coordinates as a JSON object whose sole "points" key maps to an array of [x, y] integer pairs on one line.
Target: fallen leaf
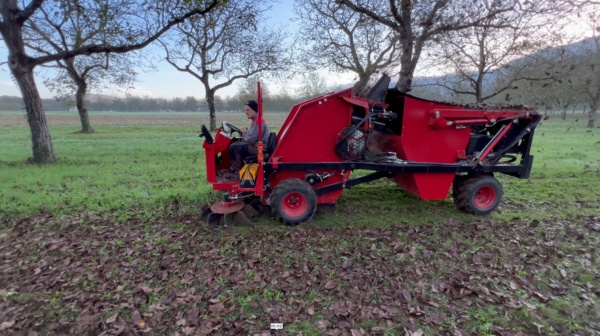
{"points": [[310, 311], [216, 308], [193, 314], [84, 321], [455, 330], [112, 319], [6, 325], [137, 319], [484, 290], [145, 289], [357, 332], [187, 330], [406, 295], [417, 332], [330, 285], [322, 324]]}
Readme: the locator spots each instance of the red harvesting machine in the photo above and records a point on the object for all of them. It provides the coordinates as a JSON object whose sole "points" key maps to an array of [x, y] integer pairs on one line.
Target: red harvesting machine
{"points": [[423, 146]]}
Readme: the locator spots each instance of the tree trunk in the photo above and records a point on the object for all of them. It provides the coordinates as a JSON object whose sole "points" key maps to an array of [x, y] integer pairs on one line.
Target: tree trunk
{"points": [[36, 117], [21, 66], [405, 81], [592, 114], [594, 105], [591, 119], [210, 100], [86, 126], [361, 89], [80, 81], [407, 40]]}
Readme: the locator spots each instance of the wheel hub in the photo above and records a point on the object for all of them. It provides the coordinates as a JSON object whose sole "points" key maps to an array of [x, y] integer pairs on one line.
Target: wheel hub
{"points": [[294, 204], [484, 197]]}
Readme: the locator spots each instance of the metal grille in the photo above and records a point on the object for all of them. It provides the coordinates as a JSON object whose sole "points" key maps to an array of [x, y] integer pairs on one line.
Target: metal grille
{"points": [[352, 144]]}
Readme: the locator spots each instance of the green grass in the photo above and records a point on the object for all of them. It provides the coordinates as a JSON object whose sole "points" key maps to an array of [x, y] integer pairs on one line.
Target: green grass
{"points": [[116, 169], [145, 169]]}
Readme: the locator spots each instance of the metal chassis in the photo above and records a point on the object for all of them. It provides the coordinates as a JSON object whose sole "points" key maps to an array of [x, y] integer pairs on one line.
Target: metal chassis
{"points": [[383, 170]]}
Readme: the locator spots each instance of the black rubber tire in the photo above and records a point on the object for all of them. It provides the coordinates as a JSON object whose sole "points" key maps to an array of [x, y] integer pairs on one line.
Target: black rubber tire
{"points": [[293, 201], [458, 181], [479, 195]]}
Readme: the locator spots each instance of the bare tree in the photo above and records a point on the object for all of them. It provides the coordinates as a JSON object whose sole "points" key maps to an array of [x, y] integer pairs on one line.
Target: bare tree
{"points": [[225, 45], [248, 90], [418, 22], [146, 25], [500, 50], [53, 30], [572, 71], [340, 39], [313, 85], [589, 76], [589, 69]]}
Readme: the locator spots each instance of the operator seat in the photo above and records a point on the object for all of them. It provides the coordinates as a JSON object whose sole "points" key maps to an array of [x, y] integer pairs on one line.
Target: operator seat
{"points": [[269, 148]]}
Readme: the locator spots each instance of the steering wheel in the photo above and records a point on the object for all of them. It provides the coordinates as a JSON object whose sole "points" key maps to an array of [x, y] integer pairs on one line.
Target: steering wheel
{"points": [[206, 134], [232, 128]]}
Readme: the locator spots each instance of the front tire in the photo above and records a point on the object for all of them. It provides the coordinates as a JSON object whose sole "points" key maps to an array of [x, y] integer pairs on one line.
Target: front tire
{"points": [[293, 201], [478, 195]]}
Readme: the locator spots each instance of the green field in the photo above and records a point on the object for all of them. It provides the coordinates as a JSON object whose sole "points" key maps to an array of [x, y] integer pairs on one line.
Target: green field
{"points": [[110, 236]]}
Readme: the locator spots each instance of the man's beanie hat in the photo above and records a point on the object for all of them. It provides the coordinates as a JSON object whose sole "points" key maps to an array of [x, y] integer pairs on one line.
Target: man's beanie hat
{"points": [[252, 104]]}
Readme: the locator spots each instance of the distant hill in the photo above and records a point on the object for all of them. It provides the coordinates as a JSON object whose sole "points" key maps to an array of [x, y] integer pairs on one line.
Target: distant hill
{"points": [[426, 87]]}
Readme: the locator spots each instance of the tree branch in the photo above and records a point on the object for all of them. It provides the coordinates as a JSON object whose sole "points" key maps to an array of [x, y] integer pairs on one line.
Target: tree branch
{"points": [[95, 49], [372, 15], [28, 11]]}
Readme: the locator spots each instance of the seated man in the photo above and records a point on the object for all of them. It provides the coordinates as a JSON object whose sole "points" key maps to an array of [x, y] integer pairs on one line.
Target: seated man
{"points": [[247, 145]]}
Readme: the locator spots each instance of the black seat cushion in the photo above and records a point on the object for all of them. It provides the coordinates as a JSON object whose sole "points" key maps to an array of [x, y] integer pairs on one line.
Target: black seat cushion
{"points": [[269, 148]]}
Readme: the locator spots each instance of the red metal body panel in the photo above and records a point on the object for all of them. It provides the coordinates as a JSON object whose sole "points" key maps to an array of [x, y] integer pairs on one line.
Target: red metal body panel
{"points": [[329, 198], [311, 130], [430, 134], [219, 145], [422, 143], [296, 108], [260, 179], [309, 134]]}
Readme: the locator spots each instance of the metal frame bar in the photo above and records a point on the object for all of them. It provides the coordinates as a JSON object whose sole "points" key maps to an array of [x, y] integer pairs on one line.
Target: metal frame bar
{"points": [[351, 183]]}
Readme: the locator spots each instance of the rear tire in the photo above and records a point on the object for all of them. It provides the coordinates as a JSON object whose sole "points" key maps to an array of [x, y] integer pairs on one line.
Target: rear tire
{"points": [[459, 180], [293, 201], [478, 195]]}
